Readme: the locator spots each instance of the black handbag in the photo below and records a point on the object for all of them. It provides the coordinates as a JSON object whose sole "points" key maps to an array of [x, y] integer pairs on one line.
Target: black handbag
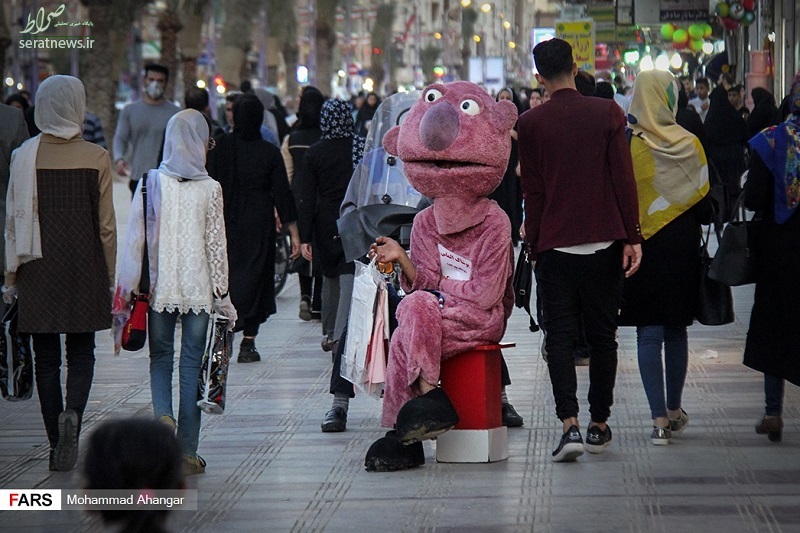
{"points": [[523, 285], [735, 261], [714, 299]]}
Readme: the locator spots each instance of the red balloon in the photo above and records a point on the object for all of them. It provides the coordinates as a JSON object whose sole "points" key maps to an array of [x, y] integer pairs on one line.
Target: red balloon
{"points": [[730, 23], [748, 4]]}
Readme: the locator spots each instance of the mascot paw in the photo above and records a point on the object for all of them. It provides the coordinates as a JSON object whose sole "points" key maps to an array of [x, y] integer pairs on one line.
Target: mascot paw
{"points": [[426, 417], [388, 454]]}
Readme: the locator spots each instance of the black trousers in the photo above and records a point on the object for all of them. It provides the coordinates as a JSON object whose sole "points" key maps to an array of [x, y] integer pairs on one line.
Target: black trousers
{"points": [[80, 372], [573, 286]]}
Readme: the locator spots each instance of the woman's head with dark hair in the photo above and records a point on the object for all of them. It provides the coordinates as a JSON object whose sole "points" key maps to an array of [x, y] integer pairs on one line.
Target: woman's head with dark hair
{"points": [[603, 89], [762, 96], [18, 101], [134, 454], [309, 108], [683, 98], [584, 83], [248, 115]]}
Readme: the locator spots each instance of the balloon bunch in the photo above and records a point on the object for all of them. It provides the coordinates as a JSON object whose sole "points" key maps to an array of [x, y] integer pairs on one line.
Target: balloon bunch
{"points": [[691, 37], [733, 13]]}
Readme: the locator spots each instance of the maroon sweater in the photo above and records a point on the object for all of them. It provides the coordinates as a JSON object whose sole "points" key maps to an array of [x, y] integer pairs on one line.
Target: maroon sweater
{"points": [[577, 175]]}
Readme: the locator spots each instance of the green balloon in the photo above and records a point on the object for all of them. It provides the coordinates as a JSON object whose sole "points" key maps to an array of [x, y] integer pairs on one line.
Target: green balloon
{"points": [[696, 45], [667, 30], [680, 36], [696, 31]]}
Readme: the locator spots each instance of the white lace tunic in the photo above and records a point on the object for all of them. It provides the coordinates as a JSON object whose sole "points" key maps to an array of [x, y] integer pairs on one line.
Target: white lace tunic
{"points": [[192, 257]]}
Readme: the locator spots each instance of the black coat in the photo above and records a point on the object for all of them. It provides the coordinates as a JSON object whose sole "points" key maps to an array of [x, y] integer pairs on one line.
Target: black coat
{"points": [[664, 290], [254, 184], [320, 188], [773, 340], [509, 193]]}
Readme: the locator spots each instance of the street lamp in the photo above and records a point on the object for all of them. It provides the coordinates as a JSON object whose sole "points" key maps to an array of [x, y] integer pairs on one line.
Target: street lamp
{"points": [[486, 8], [465, 3]]}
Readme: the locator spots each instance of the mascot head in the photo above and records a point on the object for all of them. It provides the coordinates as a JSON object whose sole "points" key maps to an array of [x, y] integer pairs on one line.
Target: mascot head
{"points": [[454, 141]]}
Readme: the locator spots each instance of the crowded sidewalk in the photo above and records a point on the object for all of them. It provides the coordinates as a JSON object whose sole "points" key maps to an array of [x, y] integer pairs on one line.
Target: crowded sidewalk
{"points": [[270, 468]]}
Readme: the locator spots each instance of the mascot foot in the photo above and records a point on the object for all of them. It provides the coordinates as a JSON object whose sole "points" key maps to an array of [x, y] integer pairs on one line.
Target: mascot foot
{"points": [[388, 454], [426, 417]]}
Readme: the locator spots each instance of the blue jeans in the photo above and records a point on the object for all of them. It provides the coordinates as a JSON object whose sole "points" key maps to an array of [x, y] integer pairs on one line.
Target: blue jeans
{"points": [[161, 336], [649, 340], [773, 393]]}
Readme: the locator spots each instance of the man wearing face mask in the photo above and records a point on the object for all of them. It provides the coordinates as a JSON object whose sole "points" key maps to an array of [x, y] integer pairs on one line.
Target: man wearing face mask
{"points": [[141, 125]]}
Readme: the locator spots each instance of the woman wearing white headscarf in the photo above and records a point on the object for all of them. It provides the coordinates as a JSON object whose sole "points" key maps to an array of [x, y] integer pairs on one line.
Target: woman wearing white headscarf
{"points": [[188, 266], [60, 255]]}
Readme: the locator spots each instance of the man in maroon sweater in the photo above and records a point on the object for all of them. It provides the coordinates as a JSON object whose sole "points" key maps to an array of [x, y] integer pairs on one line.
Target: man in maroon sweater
{"points": [[582, 226]]}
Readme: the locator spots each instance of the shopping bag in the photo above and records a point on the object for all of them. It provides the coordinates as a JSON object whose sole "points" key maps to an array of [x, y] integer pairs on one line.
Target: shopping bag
{"points": [[214, 369], [378, 346], [16, 359], [366, 283]]}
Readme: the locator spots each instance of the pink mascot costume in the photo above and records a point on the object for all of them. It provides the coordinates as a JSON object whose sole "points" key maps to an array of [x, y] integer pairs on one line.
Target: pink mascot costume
{"points": [[454, 145]]}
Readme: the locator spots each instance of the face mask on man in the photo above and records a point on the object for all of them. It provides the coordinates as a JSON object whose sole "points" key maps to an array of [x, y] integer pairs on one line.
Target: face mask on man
{"points": [[155, 90]]}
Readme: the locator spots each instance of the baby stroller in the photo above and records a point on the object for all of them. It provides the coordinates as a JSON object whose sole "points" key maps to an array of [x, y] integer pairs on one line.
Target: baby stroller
{"points": [[379, 200]]}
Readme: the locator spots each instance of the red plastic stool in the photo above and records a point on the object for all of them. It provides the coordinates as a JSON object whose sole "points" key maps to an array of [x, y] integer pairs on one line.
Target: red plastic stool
{"points": [[471, 380]]}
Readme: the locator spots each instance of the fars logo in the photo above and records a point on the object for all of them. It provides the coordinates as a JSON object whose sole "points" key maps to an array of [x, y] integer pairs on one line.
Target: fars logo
{"points": [[30, 500]]}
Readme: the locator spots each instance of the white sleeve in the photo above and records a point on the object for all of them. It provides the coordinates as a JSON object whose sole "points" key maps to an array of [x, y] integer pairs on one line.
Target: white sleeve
{"points": [[216, 243]]}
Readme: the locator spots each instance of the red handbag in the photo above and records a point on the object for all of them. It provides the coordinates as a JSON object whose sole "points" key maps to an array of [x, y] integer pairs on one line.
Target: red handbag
{"points": [[134, 333]]}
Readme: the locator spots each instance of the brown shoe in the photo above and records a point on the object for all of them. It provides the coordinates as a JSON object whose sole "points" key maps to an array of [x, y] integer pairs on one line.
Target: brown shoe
{"points": [[772, 426]]}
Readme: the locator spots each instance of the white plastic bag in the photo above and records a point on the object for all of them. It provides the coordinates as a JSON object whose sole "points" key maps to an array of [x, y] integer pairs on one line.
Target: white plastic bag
{"points": [[366, 283]]}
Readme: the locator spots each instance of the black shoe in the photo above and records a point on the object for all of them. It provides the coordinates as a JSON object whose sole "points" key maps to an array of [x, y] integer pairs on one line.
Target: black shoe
{"points": [[316, 315], [511, 418], [388, 454], [335, 420], [597, 440], [426, 417], [772, 427], [328, 344], [248, 355], [52, 464], [570, 447], [65, 454], [305, 309]]}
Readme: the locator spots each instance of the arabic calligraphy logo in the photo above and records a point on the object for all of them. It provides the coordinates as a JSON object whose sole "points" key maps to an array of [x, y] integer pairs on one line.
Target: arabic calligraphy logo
{"points": [[42, 22], [38, 25]]}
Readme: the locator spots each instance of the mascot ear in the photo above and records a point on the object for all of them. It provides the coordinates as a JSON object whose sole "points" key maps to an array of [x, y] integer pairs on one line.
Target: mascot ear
{"points": [[504, 115], [390, 140]]}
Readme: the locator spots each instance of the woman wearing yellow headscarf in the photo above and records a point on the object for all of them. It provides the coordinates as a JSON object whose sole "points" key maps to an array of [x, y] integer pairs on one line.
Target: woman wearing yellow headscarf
{"points": [[672, 181]]}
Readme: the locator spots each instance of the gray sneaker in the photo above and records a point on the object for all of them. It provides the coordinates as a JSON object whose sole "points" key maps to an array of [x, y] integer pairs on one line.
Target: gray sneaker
{"points": [[660, 436], [678, 425]]}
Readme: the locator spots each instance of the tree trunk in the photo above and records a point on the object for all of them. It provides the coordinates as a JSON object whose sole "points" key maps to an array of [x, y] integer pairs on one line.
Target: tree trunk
{"points": [[325, 43], [291, 57], [96, 68], [5, 40], [236, 39], [189, 40], [169, 24]]}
